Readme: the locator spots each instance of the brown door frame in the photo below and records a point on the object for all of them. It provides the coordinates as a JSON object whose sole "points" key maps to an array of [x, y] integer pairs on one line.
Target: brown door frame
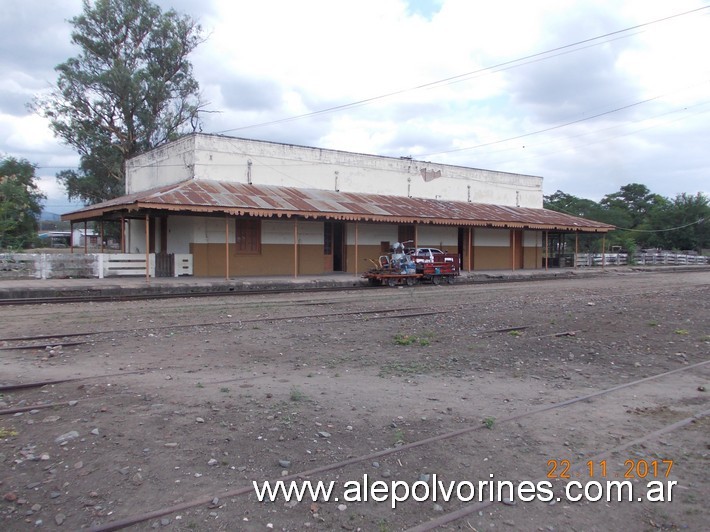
{"points": [[517, 251]]}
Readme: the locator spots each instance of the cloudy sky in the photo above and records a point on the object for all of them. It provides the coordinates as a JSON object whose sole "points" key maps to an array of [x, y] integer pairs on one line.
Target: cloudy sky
{"points": [[589, 94]]}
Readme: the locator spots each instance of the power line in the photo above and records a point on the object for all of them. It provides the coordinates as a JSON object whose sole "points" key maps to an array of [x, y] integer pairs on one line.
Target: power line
{"points": [[451, 79], [545, 130], [701, 220], [606, 139], [696, 222], [551, 128]]}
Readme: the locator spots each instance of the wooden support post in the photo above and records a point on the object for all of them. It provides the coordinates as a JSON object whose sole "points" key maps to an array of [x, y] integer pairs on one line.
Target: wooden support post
{"points": [[147, 249], [295, 247], [356, 257], [603, 251], [512, 245], [470, 248], [547, 249], [576, 248], [71, 237], [102, 236], [416, 237], [86, 239], [226, 246], [123, 234]]}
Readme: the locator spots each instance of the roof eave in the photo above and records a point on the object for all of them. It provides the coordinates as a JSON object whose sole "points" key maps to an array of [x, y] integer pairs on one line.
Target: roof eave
{"points": [[89, 214]]}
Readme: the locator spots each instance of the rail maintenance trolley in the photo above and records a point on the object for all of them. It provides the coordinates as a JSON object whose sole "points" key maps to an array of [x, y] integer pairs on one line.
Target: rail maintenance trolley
{"points": [[401, 267]]}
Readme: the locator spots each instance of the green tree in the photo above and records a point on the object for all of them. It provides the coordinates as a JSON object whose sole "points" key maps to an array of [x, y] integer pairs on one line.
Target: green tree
{"points": [[582, 207], [20, 203], [632, 203], [128, 90], [682, 224], [569, 204]]}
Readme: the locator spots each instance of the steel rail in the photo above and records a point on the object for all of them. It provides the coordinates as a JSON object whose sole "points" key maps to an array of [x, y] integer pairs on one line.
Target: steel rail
{"points": [[39, 384], [40, 346], [220, 323], [445, 519], [133, 520], [90, 298], [94, 298]]}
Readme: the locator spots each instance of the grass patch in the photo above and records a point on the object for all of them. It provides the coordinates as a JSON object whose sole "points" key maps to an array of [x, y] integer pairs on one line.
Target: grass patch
{"points": [[383, 526], [489, 422], [7, 433], [404, 339], [681, 332], [398, 437], [402, 369], [409, 339], [515, 333], [297, 395]]}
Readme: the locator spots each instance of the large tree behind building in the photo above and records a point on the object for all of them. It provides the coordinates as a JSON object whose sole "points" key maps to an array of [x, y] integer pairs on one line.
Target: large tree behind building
{"points": [[682, 223], [129, 89], [633, 202], [20, 203]]}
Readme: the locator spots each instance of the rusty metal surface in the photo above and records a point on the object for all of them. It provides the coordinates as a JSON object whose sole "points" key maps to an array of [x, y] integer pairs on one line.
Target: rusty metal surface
{"points": [[204, 196]]}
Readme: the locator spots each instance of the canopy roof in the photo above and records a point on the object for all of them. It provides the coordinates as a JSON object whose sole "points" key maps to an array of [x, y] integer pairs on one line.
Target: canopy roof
{"points": [[199, 196]]}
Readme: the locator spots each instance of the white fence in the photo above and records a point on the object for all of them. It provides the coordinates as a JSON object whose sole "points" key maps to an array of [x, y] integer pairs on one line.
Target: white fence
{"points": [[659, 258], [84, 265], [670, 258], [599, 259]]}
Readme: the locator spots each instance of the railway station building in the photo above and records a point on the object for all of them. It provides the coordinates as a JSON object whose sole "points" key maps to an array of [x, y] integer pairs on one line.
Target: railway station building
{"points": [[240, 207]]}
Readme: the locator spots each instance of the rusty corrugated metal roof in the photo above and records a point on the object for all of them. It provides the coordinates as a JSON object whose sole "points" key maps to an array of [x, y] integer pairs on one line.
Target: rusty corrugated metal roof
{"points": [[204, 196]]}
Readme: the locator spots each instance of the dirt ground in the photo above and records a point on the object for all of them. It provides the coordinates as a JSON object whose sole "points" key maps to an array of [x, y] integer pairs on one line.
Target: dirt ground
{"points": [[183, 403]]}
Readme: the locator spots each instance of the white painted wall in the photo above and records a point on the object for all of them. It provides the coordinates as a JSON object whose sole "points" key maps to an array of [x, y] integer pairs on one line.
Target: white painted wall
{"points": [[180, 233], [135, 236], [266, 163], [281, 232], [168, 164], [371, 234], [437, 236], [483, 236], [532, 239], [183, 230]]}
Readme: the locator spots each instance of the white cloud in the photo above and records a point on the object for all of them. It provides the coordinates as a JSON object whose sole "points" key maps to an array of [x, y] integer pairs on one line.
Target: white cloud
{"points": [[269, 60]]}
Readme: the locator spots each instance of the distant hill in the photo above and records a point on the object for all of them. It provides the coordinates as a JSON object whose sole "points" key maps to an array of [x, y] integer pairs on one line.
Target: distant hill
{"points": [[49, 216]]}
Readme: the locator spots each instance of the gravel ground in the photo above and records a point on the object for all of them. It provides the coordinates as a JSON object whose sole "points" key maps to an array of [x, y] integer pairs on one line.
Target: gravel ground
{"points": [[183, 403]]}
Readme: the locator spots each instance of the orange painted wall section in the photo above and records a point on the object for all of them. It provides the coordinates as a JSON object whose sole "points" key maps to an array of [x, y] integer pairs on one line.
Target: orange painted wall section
{"points": [[278, 259]]}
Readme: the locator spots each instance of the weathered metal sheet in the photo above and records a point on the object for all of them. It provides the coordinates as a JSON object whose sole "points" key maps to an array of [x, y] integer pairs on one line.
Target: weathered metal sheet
{"points": [[207, 196]]}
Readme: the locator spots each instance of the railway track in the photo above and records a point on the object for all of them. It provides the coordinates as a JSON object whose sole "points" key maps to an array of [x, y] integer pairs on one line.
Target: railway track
{"points": [[229, 361], [99, 298], [449, 517], [59, 338], [138, 296]]}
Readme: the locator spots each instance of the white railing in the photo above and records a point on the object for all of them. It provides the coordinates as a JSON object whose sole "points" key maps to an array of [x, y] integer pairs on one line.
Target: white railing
{"points": [[183, 264], [659, 258], [599, 259], [122, 264], [669, 258], [84, 265]]}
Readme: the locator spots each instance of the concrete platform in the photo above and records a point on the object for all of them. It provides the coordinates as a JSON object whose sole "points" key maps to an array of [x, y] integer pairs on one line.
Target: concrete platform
{"points": [[138, 286]]}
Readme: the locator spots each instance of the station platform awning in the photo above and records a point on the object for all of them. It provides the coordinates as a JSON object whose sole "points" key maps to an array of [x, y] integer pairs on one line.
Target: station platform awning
{"points": [[206, 197]]}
